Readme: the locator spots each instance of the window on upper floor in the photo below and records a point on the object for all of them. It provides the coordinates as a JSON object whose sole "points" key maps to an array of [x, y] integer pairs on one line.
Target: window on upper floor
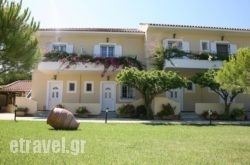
{"points": [[61, 46], [176, 43], [127, 92], [223, 48], [204, 46], [107, 50]]}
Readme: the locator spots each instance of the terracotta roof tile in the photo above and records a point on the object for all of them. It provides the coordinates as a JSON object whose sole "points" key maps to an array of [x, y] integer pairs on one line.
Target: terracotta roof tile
{"points": [[108, 30], [195, 27], [17, 86]]}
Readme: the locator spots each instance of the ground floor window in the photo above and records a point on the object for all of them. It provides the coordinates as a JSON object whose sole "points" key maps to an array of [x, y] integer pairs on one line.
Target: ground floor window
{"points": [[127, 92], [89, 87], [71, 86]]}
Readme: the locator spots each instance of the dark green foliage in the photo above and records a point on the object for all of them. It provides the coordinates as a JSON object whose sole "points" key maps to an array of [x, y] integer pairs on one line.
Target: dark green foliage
{"points": [[18, 45], [127, 111], [22, 109], [214, 116], [167, 110], [141, 112], [161, 54], [82, 109], [150, 83], [238, 112], [225, 116], [9, 77], [207, 79]]}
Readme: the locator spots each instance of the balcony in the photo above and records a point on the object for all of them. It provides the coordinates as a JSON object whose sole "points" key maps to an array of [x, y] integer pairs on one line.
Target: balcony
{"points": [[184, 60], [55, 62], [55, 67], [192, 64]]}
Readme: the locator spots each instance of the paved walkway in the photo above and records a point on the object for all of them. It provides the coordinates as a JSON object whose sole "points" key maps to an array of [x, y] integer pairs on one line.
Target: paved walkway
{"points": [[10, 116]]}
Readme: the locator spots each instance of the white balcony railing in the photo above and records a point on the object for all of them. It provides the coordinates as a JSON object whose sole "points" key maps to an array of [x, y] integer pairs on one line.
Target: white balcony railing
{"points": [[52, 67], [193, 64]]}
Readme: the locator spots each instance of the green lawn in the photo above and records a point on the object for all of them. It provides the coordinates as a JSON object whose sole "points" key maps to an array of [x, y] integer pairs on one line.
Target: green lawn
{"points": [[131, 144]]}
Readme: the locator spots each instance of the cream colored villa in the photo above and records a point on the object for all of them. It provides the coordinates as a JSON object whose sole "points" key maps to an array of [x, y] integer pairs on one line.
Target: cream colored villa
{"points": [[84, 84]]}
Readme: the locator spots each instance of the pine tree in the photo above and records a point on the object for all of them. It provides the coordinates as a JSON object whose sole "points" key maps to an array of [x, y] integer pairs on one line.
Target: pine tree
{"points": [[18, 45]]}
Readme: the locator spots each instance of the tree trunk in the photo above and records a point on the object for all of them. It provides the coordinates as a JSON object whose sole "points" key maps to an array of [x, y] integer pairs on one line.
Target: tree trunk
{"points": [[148, 102], [227, 107]]}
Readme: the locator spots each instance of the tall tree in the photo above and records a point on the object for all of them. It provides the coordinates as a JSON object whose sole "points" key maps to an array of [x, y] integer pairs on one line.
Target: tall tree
{"points": [[235, 74], [150, 83], [207, 79], [18, 45], [9, 77]]}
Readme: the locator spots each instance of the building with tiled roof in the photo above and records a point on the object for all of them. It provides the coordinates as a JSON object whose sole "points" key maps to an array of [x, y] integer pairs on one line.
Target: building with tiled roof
{"points": [[17, 86], [83, 84]]}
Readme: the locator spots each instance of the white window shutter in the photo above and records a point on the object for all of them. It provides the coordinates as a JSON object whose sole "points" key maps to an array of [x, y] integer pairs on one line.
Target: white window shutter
{"points": [[213, 47], [97, 51], [118, 50], [185, 46], [69, 48], [233, 49]]}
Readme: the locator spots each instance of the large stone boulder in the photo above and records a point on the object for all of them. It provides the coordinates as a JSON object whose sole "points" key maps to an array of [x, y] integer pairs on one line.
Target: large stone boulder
{"points": [[60, 118]]}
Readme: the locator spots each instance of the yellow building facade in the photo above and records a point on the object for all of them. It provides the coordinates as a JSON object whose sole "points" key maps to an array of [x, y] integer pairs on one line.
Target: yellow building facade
{"points": [[84, 84]]}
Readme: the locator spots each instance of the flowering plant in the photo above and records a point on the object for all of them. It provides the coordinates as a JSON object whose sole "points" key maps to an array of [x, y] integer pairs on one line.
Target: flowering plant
{"points": [[107, 62]]}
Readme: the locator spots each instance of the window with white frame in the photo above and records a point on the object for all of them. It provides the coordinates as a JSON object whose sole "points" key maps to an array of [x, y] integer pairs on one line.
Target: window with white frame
{"points": [[71, 86], [190, 87], [176, 43], [107, 50], [89, 87], [59, 47], [204, 45], [223, 48], [127, 92]]}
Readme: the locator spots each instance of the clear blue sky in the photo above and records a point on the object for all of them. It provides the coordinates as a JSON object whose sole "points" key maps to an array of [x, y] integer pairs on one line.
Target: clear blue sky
{"points": [[129, 13]]}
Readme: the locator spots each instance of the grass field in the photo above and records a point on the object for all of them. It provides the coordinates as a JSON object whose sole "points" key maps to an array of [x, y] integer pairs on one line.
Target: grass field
{"points": [[131, 144]]}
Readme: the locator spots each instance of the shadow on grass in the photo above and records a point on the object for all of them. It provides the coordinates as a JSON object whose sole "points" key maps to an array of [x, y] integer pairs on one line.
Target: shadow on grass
{"points": [[198, 123], [70, 130]]}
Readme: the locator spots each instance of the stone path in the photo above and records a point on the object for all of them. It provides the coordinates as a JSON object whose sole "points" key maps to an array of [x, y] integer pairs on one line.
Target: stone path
{"points": [[10, 116]]}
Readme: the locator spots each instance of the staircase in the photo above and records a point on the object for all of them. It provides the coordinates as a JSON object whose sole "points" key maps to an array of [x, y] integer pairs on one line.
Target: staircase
{"points": [[189, 116]]}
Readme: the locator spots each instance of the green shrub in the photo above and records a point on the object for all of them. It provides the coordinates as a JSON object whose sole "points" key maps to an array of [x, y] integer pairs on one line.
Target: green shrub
{"points": [[141, 112], [22, 109], [82, 110], [224, 116], [167, 110], [127, 110], [238, 112], [214, 116]]}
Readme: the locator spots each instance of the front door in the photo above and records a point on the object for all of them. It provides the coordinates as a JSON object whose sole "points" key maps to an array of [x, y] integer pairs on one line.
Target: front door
{"points": [[108, 96], [177, 96], [54, 94]]}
